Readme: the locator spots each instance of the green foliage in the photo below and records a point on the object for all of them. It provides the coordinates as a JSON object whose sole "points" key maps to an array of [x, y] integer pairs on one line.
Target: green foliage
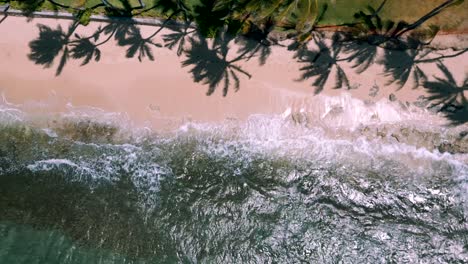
{"points": [[84, 16], [247, 16], [457, 3], [30, 6], [301, 13], [208, 19], [371, 23]]}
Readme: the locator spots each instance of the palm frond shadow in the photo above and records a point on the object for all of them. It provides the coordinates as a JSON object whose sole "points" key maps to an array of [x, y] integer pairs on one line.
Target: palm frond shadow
{"points": [[362, 54], [137, 44], [178, 37], [210, 63], [321, 62], [49, 44], [401, 65], [445, 91], [255, 44], [85, 49]]}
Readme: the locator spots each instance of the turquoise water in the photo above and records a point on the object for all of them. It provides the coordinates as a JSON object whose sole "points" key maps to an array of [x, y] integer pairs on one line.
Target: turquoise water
{"points": [[25, 244], [263, 191]]}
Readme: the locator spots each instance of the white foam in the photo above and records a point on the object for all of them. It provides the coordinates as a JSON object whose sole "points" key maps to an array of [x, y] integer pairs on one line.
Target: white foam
{"points": [[10, 114], [50, 132], [328, 137], [49, 164], [346, 111]]}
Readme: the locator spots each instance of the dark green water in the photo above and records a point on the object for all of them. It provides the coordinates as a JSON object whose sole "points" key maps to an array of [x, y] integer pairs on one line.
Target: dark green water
{"points": [[259, 192]]}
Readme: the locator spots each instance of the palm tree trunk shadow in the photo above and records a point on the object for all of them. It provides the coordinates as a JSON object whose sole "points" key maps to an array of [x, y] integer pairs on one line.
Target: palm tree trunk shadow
{"points": [[4, 18], [4, 11]]}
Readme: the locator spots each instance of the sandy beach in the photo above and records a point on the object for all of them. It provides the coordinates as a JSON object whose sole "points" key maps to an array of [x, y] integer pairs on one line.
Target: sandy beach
{"points": [[152, 92]]}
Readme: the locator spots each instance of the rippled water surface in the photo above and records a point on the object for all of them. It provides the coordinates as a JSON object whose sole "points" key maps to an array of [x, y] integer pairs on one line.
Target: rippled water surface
{"points": [[263, 191]]}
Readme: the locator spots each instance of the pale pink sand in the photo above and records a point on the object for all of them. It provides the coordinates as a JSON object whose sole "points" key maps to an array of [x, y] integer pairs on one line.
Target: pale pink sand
{"points": [[153, 91]]}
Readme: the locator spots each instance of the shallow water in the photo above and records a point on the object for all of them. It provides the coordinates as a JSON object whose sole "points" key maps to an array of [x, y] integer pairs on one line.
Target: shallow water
{"points": [[264, 190]]}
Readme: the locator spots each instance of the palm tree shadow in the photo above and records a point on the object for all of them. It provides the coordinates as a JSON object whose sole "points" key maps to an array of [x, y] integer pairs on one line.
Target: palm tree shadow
{"points": [[53, 42], [445, 91], [320, 63], [362, 54], [403, 65], [178, 37], [49, 44], [210, 63]]}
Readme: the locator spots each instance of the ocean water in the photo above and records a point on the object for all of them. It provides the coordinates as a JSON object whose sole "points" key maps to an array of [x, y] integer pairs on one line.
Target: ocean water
{"points": [[77, 189]]}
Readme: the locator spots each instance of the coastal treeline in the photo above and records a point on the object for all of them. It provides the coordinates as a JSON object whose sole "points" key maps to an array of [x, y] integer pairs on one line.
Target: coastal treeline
{"points": [[257, 18]]}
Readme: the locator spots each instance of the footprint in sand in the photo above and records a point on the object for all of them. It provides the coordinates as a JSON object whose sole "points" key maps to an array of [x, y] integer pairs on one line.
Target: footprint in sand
{"points": [[154, 108]]}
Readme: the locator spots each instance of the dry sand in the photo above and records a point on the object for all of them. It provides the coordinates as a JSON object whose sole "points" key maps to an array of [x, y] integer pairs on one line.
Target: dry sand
{"points": [[152, 92]]}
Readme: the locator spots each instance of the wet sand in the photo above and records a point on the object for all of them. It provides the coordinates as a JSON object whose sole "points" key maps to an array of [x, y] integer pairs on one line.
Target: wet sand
{"points": [[155, 92]]}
